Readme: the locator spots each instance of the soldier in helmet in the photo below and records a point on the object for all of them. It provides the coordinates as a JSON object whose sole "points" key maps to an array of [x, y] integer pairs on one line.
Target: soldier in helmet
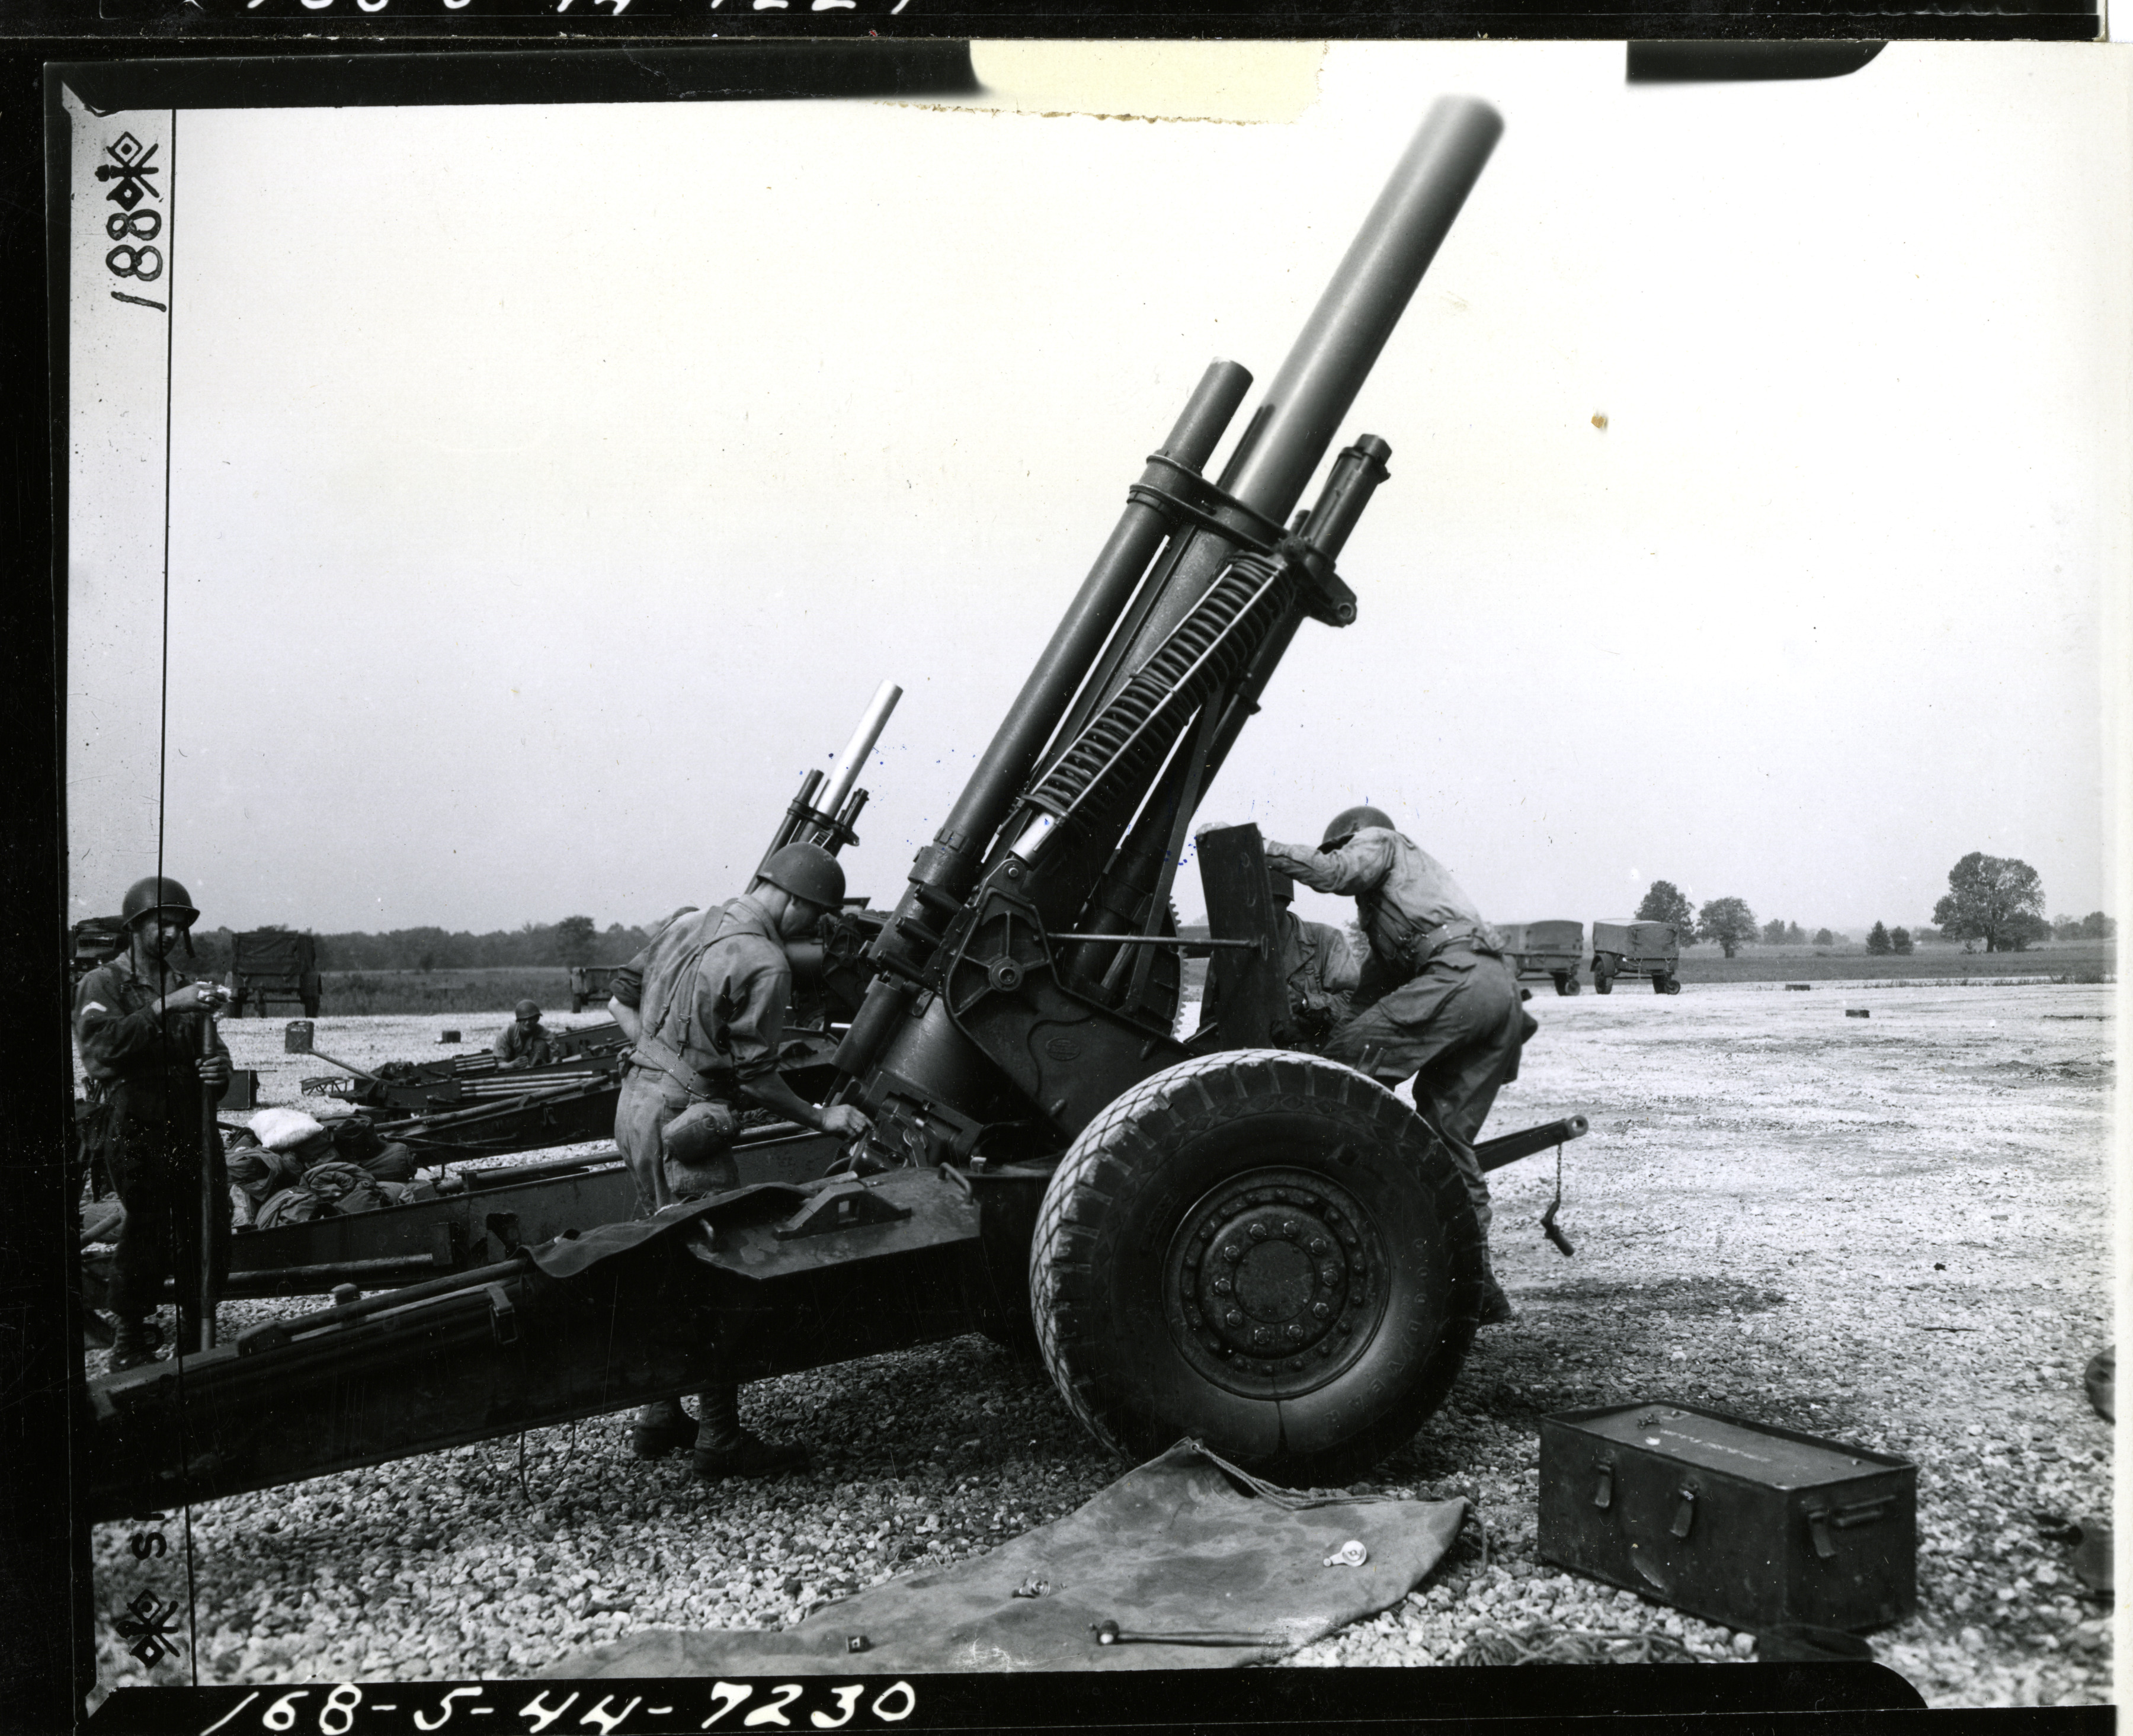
{"points": [[705, 1005], [1321, 968], [524, 1042], [1438, 998], [139, 1027]]}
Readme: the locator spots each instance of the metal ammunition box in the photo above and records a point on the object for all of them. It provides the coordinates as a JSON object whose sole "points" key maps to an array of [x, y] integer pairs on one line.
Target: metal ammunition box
{"points": [[1736, 1521]]}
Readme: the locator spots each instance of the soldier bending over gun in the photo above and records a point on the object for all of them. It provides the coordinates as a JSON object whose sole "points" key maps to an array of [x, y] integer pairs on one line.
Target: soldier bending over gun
{"points": [[704, 1003], [1438, 998]]}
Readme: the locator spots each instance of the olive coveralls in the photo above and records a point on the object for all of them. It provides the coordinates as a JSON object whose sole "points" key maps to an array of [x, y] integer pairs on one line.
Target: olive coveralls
{"points": [[517, 1046], [711, 992], [1322, 972], [144, 1068], [1438, 998]]}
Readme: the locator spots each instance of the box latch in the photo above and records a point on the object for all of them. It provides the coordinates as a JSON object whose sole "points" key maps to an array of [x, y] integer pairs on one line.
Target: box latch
{"points": [[1684, 1513], [1603, 1487], [1818, 1531]]}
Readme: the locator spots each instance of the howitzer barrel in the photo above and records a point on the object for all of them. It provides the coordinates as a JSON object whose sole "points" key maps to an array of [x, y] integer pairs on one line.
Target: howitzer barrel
{"points": [[1332, 358], [850, 763], [946, 868], [1001, 773]]}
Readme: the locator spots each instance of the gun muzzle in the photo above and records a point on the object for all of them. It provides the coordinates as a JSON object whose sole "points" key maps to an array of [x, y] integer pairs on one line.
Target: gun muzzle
{"points": [[845, 772]]}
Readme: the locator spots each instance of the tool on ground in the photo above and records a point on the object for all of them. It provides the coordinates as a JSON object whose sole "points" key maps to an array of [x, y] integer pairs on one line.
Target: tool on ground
{"points": [[1548, 1224], [1108, 1633]]}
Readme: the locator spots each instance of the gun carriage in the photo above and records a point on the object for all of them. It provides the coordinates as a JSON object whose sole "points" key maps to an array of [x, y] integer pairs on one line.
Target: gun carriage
{"points": [[1209, 1236]]}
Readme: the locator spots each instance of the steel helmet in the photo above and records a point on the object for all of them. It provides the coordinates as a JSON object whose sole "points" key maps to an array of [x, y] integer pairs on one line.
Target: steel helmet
{"points": [[1283, 884], [807, 871], [527, 1009], [157, 893], [1349, 821]]}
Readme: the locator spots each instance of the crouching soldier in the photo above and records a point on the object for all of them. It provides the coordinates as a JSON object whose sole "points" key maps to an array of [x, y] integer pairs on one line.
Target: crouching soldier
{"points": [[140, 1030], [1320, 967], [1438, 998], [705, 1005], [524, 1042]]}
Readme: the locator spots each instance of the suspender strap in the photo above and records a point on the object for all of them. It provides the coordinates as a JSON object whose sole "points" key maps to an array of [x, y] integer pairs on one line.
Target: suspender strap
{"points": [[652, 1050]]}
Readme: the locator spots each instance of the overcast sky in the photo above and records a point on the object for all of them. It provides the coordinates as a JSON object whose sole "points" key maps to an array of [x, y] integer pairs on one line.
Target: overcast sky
{"points": [[551, 487]]}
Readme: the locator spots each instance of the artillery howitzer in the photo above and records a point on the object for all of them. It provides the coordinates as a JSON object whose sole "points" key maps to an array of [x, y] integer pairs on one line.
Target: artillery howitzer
{"points": [[1211, 1237]]}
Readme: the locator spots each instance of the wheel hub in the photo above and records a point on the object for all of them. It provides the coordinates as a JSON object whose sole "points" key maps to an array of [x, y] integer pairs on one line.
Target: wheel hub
{"points": [[1274, 1283]]}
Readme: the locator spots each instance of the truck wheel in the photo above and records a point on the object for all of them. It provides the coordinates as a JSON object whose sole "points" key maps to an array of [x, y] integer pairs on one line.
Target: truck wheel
{"points": [[1264, 1250], [1603, 983], [1673, 985], [1565, 983]]}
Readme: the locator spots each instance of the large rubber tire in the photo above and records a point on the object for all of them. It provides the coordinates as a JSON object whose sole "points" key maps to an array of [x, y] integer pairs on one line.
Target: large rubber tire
{"points": [[1330, 1212], [1602, 984]]}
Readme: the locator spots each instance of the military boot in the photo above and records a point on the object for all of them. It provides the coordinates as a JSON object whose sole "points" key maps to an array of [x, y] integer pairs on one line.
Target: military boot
{"points": [[724, 1449], [129, 1347], [1496, 1309], [662, 1427]]}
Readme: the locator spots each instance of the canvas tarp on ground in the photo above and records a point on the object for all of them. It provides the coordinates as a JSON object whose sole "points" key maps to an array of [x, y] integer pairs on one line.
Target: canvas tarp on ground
{"points": [[1185, 1544]]}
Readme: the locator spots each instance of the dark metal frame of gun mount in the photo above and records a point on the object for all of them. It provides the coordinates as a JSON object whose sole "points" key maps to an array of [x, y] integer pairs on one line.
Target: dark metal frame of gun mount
{"points": [[1214, 1237]]}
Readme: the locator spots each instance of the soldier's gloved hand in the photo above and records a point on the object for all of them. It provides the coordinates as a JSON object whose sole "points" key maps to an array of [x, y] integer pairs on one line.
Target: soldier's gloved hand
{"points": [[845, 1121], [186, 998], [213, 1070]]}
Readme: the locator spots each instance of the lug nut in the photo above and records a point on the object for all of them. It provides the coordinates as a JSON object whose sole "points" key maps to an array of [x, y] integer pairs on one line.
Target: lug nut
{"points": [[1324, 1311]]}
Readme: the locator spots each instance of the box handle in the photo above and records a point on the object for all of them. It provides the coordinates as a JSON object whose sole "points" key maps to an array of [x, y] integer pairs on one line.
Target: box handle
{"points": [[1603, 1491], [1823, 1520], [1684, 1515]]}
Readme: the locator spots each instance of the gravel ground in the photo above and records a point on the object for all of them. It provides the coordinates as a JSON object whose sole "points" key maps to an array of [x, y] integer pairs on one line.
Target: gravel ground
{"points": [[1891, 1230]]}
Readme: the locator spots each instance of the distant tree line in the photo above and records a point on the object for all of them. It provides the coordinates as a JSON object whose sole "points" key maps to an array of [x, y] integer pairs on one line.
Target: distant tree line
{"points": [[1997, 900], [571, 940]]}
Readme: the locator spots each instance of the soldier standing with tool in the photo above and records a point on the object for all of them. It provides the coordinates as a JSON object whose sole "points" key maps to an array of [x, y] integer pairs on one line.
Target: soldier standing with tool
{"points": [[704, 1004], [524, 1041], [149, 1044], [1321, 969], [1438, 998]]}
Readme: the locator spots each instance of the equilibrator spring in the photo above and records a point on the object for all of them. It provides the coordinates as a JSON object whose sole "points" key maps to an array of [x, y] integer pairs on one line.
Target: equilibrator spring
{"points": [[1137, 726]]}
